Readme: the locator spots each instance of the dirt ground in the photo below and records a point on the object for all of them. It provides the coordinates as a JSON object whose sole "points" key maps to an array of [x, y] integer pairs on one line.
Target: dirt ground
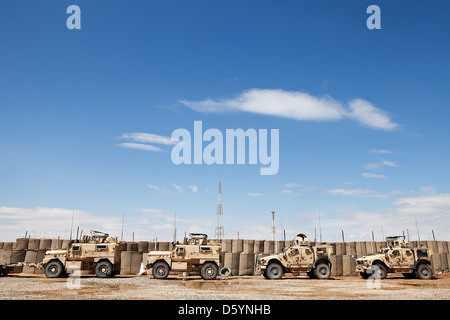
{"points": [[37, 287]]}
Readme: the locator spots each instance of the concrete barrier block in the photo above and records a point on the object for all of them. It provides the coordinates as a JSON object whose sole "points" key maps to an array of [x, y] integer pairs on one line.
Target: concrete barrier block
{"points": [[143, 246], [341, 248], [444, 262], [246, 264], [350, 248], [132, 246], [231, 261], [336, 265], [442, 247], [258, 246], [348, 266], [125, 262], [436, 263], [33, 244], [136, 260], [7, 245], [45, 244], [269, 246], [22, 244], [249, 246], [5, 257], [17, 255], [237, 246], [227, 246]]}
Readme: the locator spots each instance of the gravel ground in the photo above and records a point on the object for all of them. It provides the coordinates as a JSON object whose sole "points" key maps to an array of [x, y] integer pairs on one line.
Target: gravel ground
{"points": [[35, 287]]}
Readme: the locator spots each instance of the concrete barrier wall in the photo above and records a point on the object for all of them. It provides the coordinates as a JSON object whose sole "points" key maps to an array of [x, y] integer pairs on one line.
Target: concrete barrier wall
{"points": [[237, 254]]}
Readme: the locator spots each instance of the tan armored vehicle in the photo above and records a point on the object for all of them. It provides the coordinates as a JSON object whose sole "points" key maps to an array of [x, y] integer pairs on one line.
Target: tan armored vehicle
{"points": [[95, 253], [194, 255], [397, 257], [299, 257]]}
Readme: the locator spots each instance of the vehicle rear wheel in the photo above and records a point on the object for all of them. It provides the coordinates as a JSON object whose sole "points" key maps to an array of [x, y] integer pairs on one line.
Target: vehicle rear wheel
{"points": [[424, 272], [364, 275], [54, 269], [104, 269], [274, 271], [322, 271], [209, 271], [160, 270], [265, 274]]}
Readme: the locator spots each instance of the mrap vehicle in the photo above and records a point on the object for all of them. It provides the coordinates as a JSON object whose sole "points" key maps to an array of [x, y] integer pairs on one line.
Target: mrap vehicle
{"points": [[299, 257], [397, 257], [193, 255], [95, 253]]}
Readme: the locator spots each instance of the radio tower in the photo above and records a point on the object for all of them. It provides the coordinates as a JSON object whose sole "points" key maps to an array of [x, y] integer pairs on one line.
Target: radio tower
{"points": [[219, 213], [273, 225]]}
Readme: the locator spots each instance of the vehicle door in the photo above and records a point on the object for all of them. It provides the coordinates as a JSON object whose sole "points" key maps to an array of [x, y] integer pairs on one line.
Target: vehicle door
{"points": [[395, 258], [293, 258], [407, 257]]}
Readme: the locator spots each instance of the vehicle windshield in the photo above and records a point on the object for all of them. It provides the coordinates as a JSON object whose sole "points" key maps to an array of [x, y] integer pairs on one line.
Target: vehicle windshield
{"points": [[383, 250]]}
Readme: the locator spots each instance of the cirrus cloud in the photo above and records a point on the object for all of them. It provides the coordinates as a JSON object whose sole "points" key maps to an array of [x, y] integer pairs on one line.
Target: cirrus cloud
{"points": [[297, 105]]}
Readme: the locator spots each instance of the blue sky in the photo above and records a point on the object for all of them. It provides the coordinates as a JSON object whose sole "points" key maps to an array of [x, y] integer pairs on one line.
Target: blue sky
{"points": [[68, 97]]}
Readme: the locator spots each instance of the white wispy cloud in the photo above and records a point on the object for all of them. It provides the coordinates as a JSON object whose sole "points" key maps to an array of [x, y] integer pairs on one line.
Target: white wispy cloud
{"points": [[151, 186], [193, 188], [380, 151], [377, 165], [297, 105], [372, 175], [292, 185], [255, 194], [356, 193], [144, 137], [139, 146], [178, 188], [370, 116]]}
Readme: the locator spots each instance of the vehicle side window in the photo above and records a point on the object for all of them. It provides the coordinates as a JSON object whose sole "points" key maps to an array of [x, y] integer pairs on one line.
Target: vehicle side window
{"points": [[204, 249], [101, 247], [180, 250], [395, 252], [75, 248]]}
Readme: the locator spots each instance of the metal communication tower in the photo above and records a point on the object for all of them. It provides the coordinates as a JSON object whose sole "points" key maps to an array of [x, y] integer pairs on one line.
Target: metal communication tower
{"points": [[219, 228]]}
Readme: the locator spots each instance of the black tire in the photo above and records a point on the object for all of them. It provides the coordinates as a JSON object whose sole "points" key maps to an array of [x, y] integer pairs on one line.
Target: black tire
{"points": [[382, 271], [160, 270], [424, 272], [322, 271], [274, 271], [265, 274], [54, 269], [209, 271], [104, 269], [364, 275]]}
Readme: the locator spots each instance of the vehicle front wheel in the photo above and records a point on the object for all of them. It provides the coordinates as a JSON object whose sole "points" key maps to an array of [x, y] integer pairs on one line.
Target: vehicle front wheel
{"points": [[209, 271], [322, 271], [379, 271], [104, 269], [274, 271], [424, 272], [160, 270], [54, 269]]}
